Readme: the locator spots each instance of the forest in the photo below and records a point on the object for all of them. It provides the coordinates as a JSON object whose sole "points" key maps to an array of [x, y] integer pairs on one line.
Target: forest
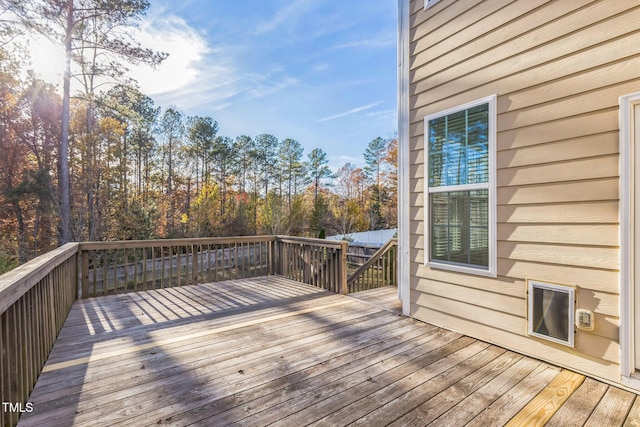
{"points": [[102, 161]]}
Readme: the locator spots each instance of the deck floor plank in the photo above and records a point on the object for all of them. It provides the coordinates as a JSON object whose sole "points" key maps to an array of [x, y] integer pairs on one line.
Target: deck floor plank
{"points": [[542, 408], [580, 405], [273, 351], [633, 419], [509, 404], [444, 370], [612, 409], [411, 409], [474, 403]]}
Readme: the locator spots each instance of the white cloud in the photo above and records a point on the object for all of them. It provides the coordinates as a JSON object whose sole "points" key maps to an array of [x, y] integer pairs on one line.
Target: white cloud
{"points": [[368, 43], [187, 50], [320, 66], [197, 75], [222, 87], [285, 15], [263, 85], [352, 111]]}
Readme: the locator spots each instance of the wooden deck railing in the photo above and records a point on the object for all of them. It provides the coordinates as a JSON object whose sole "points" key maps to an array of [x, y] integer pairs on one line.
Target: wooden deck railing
{"points": [[125, 266], [379, 270], [36, 297], [35, 300], [318, 262], [129, 266]]}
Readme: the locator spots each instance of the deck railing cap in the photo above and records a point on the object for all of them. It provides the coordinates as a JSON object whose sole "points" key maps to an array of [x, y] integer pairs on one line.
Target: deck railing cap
{"points": [[17, 282]]}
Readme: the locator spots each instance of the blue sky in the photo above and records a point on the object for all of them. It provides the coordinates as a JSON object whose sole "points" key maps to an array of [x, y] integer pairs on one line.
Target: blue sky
{"points": [[322, 72]]}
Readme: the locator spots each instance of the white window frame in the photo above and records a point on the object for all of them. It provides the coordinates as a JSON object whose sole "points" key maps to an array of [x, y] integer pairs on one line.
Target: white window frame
{"points": [[490, 271], [429, 3]]}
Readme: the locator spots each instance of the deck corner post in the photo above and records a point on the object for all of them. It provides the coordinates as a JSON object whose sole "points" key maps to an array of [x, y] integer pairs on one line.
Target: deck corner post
{"points": [[344, 247]]}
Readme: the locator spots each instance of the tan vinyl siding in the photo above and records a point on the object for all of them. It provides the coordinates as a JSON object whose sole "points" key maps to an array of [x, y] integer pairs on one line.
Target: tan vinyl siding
{"points": [[558, 68]]}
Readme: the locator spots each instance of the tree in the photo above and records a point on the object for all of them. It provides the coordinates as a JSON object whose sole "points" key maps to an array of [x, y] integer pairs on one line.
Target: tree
{"points": [[273, 215], [9, 31], [245, 150], [172, 129], [139, 116], [266, 152], [11, 164], [318, 219], [347, 181], [391, 182], [318, 167], [350, 205], [223, 162], [373, 157], [39, 131], [29, 130], [246, 172], [95, 36], [291, 166], [201, 134]]}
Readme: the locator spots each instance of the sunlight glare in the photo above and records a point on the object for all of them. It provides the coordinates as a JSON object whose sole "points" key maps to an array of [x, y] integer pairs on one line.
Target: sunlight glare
{"points": [[47, 59]]}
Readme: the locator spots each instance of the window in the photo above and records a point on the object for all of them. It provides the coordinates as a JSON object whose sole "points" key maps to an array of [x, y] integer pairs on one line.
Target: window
{"points": [[460, 189]]}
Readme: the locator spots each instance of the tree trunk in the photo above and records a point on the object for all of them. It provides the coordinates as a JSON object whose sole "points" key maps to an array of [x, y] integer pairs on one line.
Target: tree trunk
{"points": [[63, 162]]}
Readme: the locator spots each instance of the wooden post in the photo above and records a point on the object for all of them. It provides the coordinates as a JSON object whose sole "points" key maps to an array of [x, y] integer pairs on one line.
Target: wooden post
{"points": [[126, 270], [194, 264], [216, 261], [85, 274], [179, 264], [105, 275], [280, 257], [162, 264], [145, 285], [306, 264], [344, 246]]}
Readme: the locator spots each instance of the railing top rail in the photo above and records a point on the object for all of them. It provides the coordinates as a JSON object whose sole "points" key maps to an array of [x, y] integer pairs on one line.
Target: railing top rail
{"points": [[131, 244], [365, 245], [17, 282], [312, 241]]}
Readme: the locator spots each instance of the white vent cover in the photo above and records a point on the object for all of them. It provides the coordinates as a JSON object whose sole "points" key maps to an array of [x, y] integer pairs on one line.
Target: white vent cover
{"points": [[551, 312], [429, 3]]}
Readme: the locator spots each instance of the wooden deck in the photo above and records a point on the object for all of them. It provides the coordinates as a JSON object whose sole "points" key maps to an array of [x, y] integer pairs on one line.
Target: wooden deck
{"points": [[271, 351]]}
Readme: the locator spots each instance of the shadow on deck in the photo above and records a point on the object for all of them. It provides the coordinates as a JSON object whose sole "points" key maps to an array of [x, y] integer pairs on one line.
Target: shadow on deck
{"points": [[269, 350]]}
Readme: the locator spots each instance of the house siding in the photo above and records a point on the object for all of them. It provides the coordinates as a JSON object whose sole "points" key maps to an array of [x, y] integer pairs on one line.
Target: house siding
{"points": [[558, 69]]}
